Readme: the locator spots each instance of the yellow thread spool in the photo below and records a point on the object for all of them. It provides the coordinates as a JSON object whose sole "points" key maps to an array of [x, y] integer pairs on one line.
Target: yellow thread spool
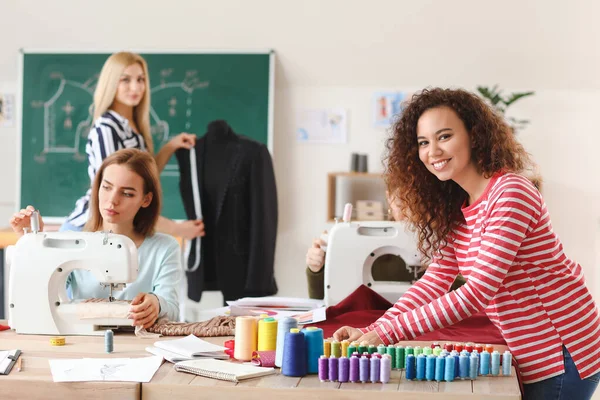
{"points": [[345, 345], [267, 334], [57, 341], [294, 330], [336, 349], [245, 338], [327, 348]]}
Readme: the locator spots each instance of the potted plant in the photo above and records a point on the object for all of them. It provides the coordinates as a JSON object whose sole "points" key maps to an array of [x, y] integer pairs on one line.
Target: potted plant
{"points": [[501, 103]]}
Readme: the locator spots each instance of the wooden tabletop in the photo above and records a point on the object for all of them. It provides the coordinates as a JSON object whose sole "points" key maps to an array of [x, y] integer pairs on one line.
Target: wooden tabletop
{"points": [[35, 379]]}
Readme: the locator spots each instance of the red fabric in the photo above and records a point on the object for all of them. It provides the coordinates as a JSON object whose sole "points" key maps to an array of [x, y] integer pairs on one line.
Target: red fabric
{"points": [[364, 306]]}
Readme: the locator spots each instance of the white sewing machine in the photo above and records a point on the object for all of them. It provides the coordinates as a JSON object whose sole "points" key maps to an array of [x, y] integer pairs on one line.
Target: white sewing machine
{"points": [[39, 265], [352, 250]]}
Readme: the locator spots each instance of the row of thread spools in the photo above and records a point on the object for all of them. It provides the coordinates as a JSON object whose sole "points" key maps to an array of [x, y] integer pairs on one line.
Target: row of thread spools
{"points": [[355, 362]]}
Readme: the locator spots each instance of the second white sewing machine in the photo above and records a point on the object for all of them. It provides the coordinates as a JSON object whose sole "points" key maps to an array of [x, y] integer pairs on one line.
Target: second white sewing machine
{"points": [[39, 265]]}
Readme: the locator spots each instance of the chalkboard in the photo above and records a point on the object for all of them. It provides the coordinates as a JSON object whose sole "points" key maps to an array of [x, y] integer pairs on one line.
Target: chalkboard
{"points": [[188, 90]]}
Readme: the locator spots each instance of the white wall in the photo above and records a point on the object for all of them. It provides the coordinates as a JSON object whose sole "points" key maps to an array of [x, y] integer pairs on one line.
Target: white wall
{"points": [[337, 53]]}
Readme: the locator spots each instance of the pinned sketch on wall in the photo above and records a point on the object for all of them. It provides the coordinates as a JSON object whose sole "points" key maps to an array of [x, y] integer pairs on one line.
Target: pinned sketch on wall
{"points": [[387, 106], [7, 110], [322, 126]]}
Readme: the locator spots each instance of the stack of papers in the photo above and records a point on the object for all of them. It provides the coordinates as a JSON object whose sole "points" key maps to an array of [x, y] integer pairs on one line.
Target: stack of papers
{"points": [[104, 369], [306, 311], [187, 348]]}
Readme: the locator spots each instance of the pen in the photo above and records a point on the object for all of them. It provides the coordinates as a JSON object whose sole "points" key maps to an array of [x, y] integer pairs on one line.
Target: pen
{"points": [[20, 364]]}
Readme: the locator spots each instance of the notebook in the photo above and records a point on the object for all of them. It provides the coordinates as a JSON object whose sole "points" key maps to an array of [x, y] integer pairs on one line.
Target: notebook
{"points": [[223, 370], [7, 360], [175, 358], [189, 347]]}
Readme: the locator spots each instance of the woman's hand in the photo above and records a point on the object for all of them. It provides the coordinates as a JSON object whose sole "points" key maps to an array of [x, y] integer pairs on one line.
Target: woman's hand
{"points": [[22, 219], [347, 333], [183, 141], [315, 256], [370, 338], [190, 229], [144, 310]]}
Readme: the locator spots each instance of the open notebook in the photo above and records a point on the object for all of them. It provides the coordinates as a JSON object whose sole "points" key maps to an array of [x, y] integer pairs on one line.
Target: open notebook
{"points": [[223, 370], [190, 346]]}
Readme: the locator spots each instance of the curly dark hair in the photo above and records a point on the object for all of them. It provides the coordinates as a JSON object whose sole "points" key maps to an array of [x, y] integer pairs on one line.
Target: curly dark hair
{"points": [[433, 207]]}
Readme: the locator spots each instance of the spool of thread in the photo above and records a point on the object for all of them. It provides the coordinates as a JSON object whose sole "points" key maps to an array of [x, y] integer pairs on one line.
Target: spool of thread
{"points": [[449, 369], [336, 349], [372, 349], [495, 366], [430, 367], [421, 364], [427, 351], [458, 347], [479, 348], [108, 341], [506, 363], [323, 368], [418, 350], [344, 369], [366, 354], [437, 351], [463, 366], [354, 368], [267, 335], [333, 368], [398, 356], [448, 347], [455, 355], [347, 212], [351, 350], [411, 368], [440, 365], [245, 338], [283, 326], [362, 348], [35, 221], [434, 345], [314, 347], [473, 366], [294, 354], [345, 346], [57, 341], [375, 368], [407, 351], [327, 348], [364, 372], [489, 348], [484, 363], [469, 347], [386, 368]]}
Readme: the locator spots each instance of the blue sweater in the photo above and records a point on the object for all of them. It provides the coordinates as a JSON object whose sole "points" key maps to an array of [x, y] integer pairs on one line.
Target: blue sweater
{"points": [[159, 273]]}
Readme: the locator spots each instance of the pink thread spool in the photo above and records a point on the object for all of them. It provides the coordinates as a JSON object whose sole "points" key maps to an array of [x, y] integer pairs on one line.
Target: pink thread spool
{"points": [[347, 212]]}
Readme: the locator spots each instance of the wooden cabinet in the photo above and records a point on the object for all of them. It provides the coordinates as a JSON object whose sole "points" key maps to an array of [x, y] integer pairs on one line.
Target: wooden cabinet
{"points": [[351, 187]]}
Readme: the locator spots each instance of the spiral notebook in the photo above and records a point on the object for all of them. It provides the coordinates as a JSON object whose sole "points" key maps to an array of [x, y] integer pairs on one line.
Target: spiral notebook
{"points": [[223, 370]]}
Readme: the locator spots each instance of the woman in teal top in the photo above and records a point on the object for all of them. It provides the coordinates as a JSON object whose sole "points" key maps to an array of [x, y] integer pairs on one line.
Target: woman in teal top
{"points": [[126, 199]]}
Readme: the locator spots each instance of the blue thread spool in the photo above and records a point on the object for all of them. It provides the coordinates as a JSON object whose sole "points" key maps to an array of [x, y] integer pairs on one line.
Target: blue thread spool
{"points": [[398, 362], [484, 363], [364, 372], [344, 369], [333, 368], [314, 348], [283, 326], [449, 369], [421, 361], [108, 341], [294, 354], [411, 368], [456, 365], [506, 363], [463, 366], [408, 350], [439, 368], [375, 368], [473, 365], [430, 367], [495, 363], [354, 368]]}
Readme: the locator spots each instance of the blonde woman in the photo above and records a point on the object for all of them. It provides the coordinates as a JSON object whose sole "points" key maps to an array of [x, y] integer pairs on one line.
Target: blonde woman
{"points": [[122, 120]]}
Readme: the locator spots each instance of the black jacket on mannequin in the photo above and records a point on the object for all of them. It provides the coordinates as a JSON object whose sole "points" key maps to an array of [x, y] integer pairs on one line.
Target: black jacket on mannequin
{"points": [[232, 188]]}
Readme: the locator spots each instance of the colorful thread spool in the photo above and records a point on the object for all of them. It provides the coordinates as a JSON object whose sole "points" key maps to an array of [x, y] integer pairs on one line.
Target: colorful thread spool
{"points": [[473, 366], [440, 364], [398, 357], [407, 351], [430, 367], [267, 334], [327, 348], [418, 350], [386, 368], [448, 347], [345, 346], [434, 345], [372, 349], [294, 354], [354, 368], [463, 365], [351, 350], [458, 347], [336, 349], [449, 369], [364, 372], [495, 366], [489, 348], [108, 341], [333, 368], [506, 363], [437, 351], [314, 347], [344, 369], [427, 351], [245, 338], [375, 367], [454, 354], [469, 347], [323, 368], [283, 326], [411, 368], [362, 348], [484, 363], [421, 363], [381, 349], [479, 348]]}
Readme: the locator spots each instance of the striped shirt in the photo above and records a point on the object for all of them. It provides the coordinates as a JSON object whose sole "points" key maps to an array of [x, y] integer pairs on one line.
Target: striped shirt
{"points": [[110, 132], [518, 274]]}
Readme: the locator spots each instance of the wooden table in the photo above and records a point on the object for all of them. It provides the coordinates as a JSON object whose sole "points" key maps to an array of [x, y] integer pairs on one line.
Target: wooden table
{"points": [[35, 380]]}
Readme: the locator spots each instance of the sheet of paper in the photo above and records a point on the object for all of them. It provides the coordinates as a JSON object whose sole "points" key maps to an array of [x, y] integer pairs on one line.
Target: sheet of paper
{"points": [[105, 369], [322, 126]]}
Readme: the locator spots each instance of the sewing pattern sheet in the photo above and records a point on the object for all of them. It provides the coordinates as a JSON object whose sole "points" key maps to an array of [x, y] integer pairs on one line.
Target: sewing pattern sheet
{"points": [[105, 369]]}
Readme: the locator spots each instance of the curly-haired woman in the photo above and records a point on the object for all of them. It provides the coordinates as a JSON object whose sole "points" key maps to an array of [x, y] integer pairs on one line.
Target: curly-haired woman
{"points": [[459, 172]]}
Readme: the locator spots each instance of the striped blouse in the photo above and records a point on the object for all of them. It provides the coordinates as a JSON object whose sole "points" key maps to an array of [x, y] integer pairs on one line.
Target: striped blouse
{"points": [[110, 132], [518, 274]]}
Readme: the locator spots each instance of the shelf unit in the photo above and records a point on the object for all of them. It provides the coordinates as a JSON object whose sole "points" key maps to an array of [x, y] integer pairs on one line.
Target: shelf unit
{"points": [[350, 187]]}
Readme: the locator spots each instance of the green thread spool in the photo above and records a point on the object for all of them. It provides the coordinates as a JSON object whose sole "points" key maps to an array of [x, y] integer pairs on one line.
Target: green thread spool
{"points": [[391, 350], [381, 349], [336, 349], [372, 349], [351, 350], [427, 351], [399, 357]]}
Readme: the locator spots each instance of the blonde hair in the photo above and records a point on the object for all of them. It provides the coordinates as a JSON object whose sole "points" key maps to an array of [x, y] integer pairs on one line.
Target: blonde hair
{"points": [[106, 90], [142, 164]]}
